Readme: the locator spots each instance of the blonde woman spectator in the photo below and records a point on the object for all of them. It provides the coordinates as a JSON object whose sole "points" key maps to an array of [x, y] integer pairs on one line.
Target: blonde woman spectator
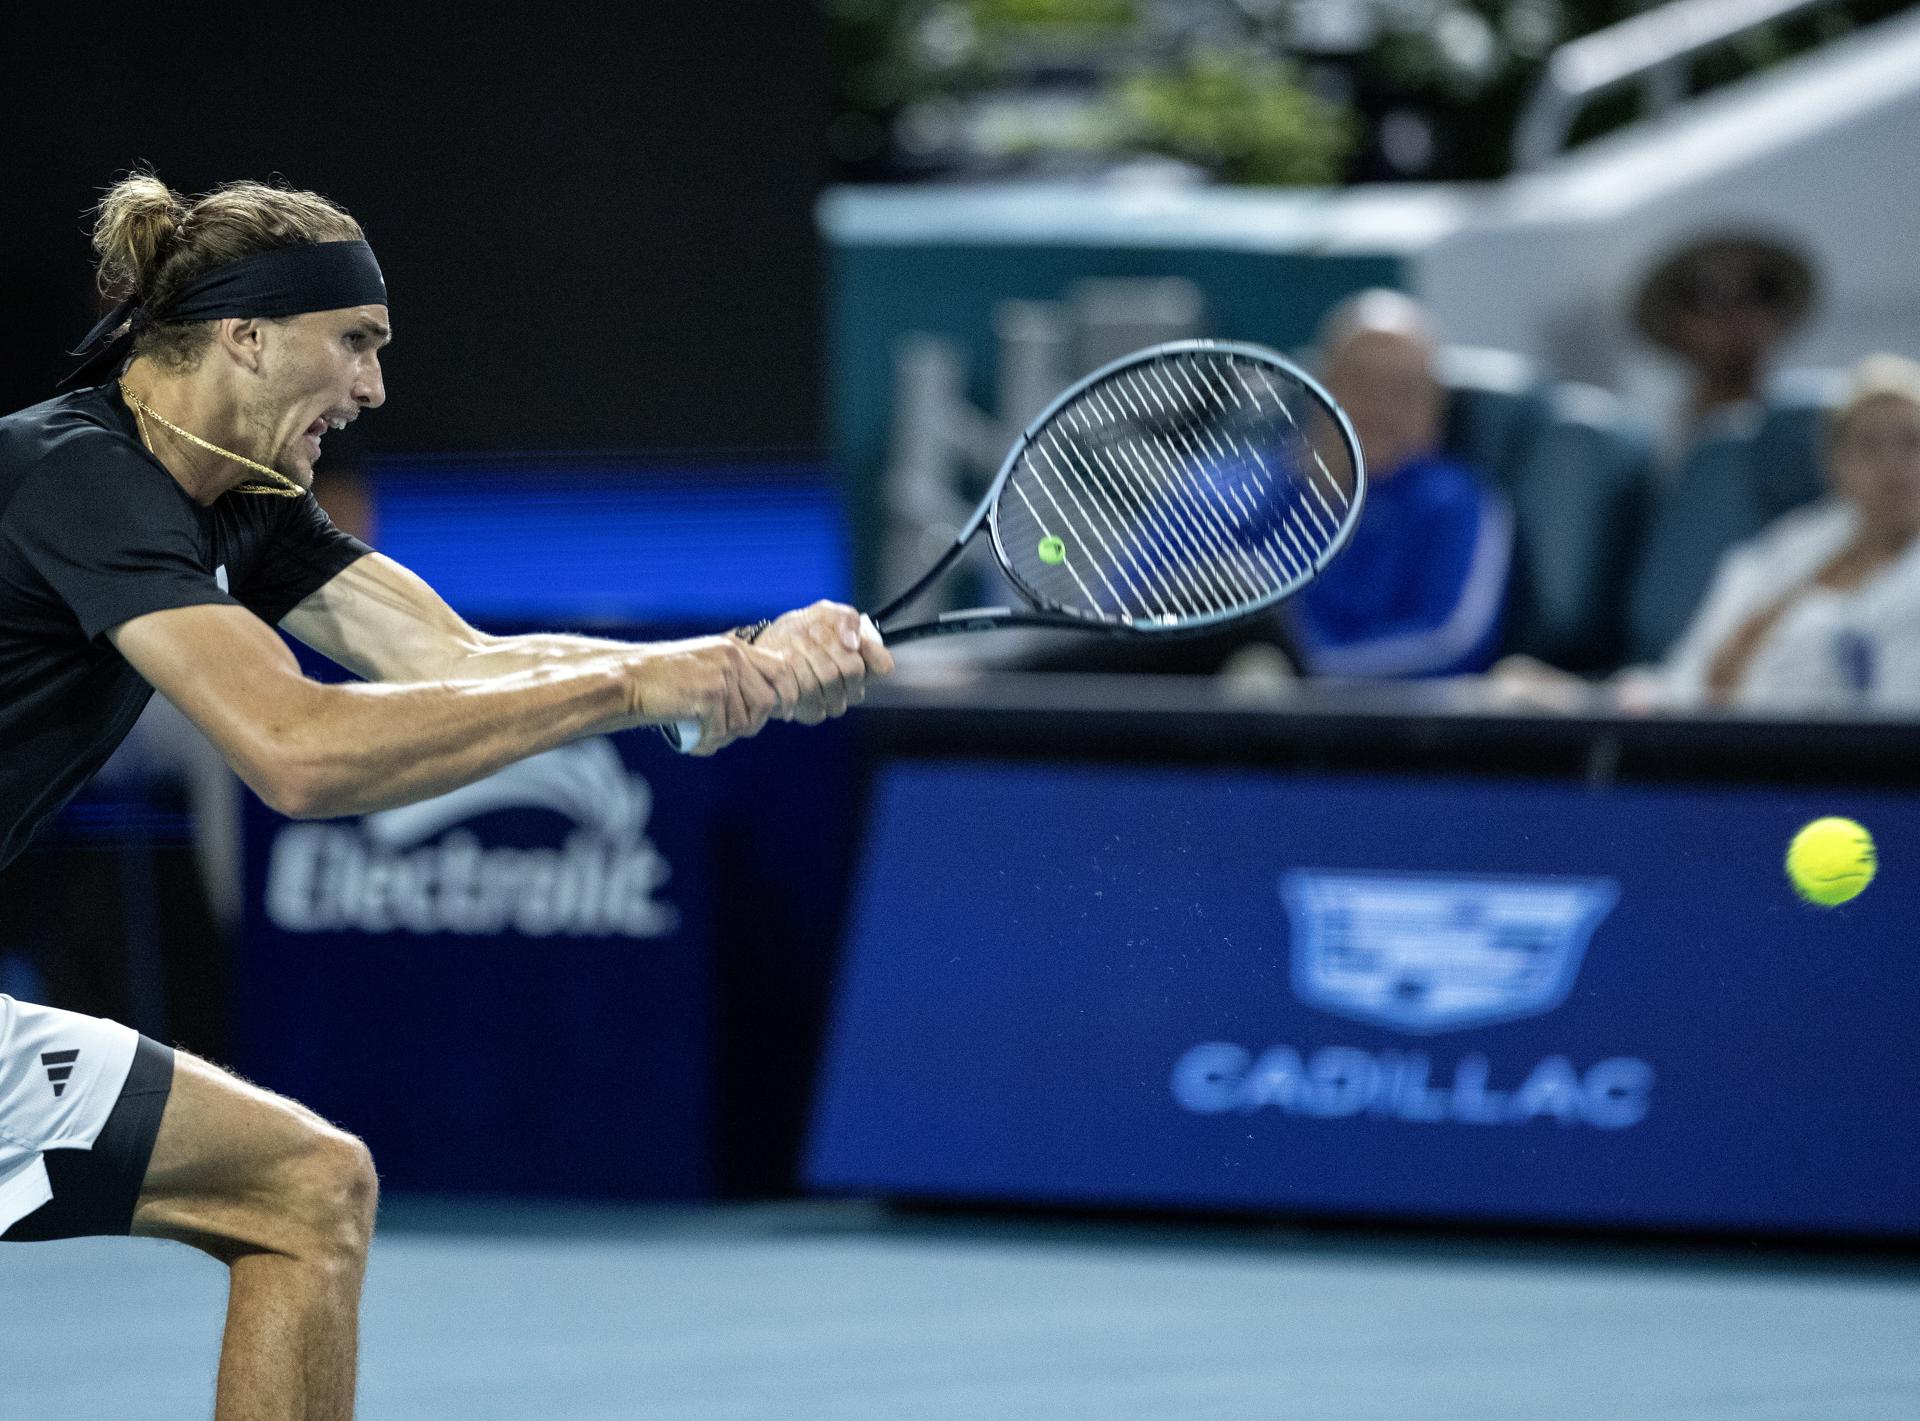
{"points": [[1822, 609], [1818, 612]]}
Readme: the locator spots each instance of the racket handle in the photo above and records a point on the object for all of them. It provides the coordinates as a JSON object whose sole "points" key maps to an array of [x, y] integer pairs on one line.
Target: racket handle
{"points": [[682, 735]]}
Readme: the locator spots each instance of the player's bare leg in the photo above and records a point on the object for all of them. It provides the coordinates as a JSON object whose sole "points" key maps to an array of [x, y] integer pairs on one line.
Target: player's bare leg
{"points": [[286, 1201]]}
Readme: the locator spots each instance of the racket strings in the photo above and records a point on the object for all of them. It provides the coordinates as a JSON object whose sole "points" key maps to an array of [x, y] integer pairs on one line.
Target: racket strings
{"points": [[1125, 466], [1147, 590], [1183, 488], [1202, 524], [1294, 540], [1122, 467], [1195, 475], [1098, 479], [1246, 512], [1196, 531], [1289, 531], [1139, 479], [1343, 491]]}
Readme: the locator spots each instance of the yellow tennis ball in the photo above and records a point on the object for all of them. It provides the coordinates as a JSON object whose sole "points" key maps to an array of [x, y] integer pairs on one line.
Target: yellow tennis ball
{"points": [[1830, 861]]}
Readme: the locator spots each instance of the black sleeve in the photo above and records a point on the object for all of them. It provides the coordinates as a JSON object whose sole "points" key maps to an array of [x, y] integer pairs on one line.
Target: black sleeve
{"points": [[112, 535], [306, 553]]}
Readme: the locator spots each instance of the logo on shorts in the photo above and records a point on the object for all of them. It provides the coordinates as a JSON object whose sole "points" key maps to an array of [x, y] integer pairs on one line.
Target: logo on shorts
{"points": [[59, 1066], [1426, 952]]}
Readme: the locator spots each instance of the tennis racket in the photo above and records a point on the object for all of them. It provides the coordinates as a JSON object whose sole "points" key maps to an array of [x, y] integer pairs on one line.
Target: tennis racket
{"points": [[1176, 490]]}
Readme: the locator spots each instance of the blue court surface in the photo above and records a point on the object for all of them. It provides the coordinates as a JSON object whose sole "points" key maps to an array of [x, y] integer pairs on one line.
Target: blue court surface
{"points": [[845, 1311]]}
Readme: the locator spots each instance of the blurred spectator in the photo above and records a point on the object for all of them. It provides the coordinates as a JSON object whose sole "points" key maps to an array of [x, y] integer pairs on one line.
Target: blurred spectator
{"points": [[1823, 607], [1422, 587], [1724, 306]]}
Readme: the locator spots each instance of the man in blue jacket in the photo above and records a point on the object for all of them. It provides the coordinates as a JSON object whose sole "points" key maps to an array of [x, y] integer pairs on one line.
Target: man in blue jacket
{"points": [[1422, 587]]}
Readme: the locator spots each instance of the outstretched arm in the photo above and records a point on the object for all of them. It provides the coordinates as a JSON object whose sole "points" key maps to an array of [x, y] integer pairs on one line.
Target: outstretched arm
{"points": [[314, 751], [384, 623]]}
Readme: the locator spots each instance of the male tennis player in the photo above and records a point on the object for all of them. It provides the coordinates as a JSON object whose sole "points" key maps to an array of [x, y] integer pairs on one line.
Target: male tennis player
{"points": [[155, 525]]}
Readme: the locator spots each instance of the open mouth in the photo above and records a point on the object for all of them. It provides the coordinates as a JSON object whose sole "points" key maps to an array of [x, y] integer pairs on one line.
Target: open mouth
{"points": [[318, 430]]}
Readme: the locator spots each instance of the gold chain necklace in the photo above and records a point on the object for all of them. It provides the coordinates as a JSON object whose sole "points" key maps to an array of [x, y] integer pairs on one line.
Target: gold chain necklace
{"points": [[278, 484]]}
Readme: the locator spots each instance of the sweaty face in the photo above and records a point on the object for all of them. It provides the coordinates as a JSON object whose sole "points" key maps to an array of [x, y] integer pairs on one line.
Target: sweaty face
{"points": [[318, 373], [1876, 465], [1384, 380]]}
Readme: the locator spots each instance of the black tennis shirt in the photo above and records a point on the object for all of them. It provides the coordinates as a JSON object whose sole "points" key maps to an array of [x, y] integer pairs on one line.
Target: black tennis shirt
{"points": [[94, 532]]}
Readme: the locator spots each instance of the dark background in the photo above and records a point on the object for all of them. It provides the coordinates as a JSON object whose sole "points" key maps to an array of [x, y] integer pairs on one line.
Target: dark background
{"points": [[596, 223]]}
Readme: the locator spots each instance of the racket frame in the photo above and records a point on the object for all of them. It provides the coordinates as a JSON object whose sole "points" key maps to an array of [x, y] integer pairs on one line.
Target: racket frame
{"points": [[975, 619], [685, 735]]}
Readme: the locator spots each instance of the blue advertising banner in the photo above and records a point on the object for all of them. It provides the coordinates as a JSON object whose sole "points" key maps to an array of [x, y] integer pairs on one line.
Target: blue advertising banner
{"points": [[1388, 996], [506, 988]]}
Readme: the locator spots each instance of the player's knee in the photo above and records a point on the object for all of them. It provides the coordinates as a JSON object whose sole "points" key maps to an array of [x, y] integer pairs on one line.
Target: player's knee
{"points": [[331, 1194]]}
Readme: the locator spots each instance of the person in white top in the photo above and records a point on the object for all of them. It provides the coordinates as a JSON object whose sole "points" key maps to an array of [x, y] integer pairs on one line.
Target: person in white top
{"points": [[1821, 610]]}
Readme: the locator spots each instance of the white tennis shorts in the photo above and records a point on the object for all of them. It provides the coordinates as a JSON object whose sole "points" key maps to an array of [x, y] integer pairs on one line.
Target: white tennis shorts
{"points": [[60, 1076]]}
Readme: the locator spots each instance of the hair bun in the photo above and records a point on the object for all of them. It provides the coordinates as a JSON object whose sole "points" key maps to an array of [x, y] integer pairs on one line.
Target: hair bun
{"points": [[137, 220]]}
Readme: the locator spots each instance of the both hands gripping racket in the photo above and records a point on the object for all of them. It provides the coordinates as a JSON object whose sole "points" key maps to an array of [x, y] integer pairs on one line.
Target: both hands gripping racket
{"points": [[1176, 490]]}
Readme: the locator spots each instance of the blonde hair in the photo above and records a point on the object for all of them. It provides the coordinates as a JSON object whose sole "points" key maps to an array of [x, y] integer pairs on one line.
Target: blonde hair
{"points": [[1877, 377], [152, 242]]}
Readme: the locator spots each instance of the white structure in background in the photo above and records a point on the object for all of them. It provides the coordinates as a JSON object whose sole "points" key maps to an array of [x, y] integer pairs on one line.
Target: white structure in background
{"points": [[1821, 152]]}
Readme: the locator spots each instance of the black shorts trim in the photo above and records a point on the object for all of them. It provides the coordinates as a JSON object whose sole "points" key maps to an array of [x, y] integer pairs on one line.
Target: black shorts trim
{"points": [[95, 1190]]}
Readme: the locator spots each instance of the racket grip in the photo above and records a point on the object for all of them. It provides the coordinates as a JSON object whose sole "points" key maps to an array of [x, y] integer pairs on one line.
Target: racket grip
{"points": [[682, 735]]}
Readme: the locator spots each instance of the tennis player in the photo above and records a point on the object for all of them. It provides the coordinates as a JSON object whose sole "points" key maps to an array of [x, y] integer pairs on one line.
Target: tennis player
{"points": [[155, 526]]}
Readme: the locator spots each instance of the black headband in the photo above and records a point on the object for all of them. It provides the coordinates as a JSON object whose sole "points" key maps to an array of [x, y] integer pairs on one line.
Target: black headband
{"points": [[316, 276]]}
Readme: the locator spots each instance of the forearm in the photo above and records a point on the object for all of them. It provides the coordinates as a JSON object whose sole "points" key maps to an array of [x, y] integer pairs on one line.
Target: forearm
{"points": [[366, 747], [495, 656]]}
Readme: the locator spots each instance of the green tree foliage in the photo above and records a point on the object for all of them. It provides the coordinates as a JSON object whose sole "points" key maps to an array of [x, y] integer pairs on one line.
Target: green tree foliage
{"points": [[1076, 14], [1235, 87], [1241, 115]]}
